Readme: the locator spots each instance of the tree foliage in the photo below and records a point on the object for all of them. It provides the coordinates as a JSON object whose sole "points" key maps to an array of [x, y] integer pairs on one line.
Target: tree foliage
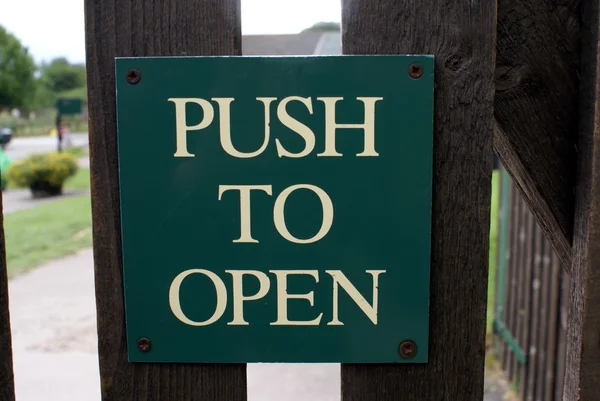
{"points": [[61, 76], [17, 72]]}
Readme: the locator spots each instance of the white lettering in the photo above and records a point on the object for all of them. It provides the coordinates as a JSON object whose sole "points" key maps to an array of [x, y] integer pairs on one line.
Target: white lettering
{"points": [[225, 124], [296, 126], [283, 296], [279, 215], [245, 232], [238, 293], [340, 279], [181, 122], [368, 126], [175, 303]]}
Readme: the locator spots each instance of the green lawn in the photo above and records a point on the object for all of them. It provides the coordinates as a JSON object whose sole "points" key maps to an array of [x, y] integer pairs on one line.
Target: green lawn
{"points": [[52, 230], [76, 151], [81, 179], [46, 232]]}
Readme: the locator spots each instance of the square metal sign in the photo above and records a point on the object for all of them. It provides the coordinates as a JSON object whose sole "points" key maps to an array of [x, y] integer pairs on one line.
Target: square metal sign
{"points": [[66, 106], [276, 209]]}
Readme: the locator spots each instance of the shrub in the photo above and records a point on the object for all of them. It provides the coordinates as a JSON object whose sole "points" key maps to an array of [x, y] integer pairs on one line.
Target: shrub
{"points": [[51, 168]]}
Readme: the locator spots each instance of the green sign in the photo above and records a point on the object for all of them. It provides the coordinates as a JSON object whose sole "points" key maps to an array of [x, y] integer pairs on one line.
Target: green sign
{"points": [[276, 209], [69, 106]]}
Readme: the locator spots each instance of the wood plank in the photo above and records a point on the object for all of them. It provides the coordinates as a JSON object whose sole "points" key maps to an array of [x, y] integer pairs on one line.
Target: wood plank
{"points": [[534, 328], [544, 319], [525, 334], [582, 379], [7, 385], [522, 289], [562, 337], [553, 327], [536, 108], [513, 309], [144, 28], [510, 255], [461, 188]]}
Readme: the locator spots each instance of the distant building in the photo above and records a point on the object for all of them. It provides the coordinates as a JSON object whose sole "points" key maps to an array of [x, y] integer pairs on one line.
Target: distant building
{"points": [[301, 44]]}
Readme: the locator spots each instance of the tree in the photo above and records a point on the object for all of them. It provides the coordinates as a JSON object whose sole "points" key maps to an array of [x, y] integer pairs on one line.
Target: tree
{"points": [[60, 75], [17, 69], [324, 27]]}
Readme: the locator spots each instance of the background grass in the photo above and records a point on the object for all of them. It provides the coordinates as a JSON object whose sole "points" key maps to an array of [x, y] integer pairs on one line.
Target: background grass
{"points": [[48, 231], [495, 203], [81, 179]]}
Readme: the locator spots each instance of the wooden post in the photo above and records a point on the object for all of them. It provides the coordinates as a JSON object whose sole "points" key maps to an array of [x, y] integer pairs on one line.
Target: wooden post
{"points": [[144, 28], [7, 386], [582, 379], [460, 34]]}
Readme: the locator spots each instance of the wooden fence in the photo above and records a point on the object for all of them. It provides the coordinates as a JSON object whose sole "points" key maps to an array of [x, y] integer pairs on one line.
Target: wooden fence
{"points": [[516, 75], [531, 304]]}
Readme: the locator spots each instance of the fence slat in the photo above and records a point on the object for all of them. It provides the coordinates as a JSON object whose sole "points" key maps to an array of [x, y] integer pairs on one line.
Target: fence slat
{"points": [[562, 337], [546, 268], [553, 327], [525, 331], [536, 290], [7, 386], [510, 255], [544, 343], [511, 318], [144, 28], [521, 294], [582, 379], [461, 188]]}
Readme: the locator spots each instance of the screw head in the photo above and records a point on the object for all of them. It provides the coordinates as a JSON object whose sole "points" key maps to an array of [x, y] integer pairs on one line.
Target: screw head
{"points": [[415, 71], [133, 76], [144, 344], [407, 349]]}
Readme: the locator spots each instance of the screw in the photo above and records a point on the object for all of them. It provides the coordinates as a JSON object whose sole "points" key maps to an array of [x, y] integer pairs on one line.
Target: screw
{"points": [[415, 71], [133, 76], [144, 344], [407, 349]]}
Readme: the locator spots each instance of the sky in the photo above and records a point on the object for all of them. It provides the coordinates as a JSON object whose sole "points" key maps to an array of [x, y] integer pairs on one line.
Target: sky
{"points": [[53, 28]]}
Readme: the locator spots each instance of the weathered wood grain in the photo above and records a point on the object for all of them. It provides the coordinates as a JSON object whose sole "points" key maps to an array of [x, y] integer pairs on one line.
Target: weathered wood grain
{"points": [[535, 331], [7, 385], [552, 357], [545, 314], [461, 36], [562, 336], [582, 379], [526, 312], [138, 28], [536, 108]]}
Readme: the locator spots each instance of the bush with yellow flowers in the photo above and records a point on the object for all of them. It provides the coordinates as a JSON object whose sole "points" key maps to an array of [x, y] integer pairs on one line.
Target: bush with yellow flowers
{"points": [[42, 170]]}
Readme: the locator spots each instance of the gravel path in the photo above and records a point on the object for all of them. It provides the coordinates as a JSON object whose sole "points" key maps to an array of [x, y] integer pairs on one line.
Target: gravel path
{"points": [[52, 311]]}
